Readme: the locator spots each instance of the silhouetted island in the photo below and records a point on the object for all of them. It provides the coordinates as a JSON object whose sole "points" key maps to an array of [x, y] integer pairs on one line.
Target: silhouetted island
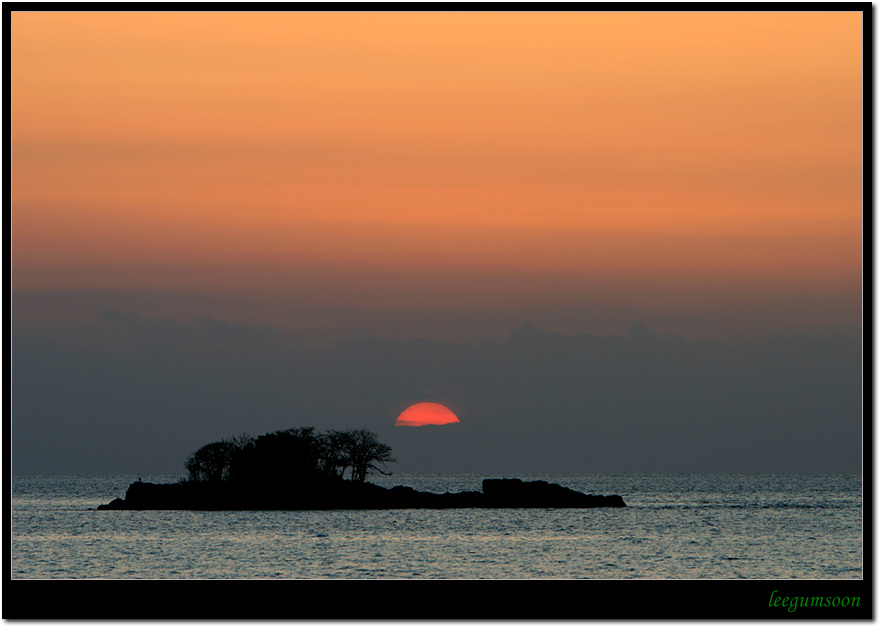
{"points": [[297, 469], [502, 493]]}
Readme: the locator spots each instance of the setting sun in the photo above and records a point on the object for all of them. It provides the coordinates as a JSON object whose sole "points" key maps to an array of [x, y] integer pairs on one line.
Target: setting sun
{"points": [[422, 414]]}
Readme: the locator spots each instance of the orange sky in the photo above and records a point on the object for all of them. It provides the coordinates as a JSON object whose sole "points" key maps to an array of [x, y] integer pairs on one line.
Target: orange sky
{"points": [[409, 156]]}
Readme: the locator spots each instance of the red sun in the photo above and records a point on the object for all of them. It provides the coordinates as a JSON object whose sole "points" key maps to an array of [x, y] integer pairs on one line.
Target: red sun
{"points": [[422, 414]]}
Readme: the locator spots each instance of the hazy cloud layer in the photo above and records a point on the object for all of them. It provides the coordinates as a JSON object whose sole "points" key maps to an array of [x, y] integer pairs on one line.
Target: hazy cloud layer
{"points": [[137, 394]]}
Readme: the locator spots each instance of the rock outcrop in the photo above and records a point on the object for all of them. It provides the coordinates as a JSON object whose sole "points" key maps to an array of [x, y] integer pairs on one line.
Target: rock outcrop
{"points": [[497, 493]]}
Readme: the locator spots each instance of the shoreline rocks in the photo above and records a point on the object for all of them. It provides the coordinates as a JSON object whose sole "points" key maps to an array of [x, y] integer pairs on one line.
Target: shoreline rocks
{"points": [[496, 493]]}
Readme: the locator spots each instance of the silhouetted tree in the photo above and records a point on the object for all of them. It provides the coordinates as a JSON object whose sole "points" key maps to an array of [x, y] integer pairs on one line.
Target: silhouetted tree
{"points": [[238, 445], [334, 458], [282, 456], [361, 451], [216, 461], [294, 456], [210, 463]]}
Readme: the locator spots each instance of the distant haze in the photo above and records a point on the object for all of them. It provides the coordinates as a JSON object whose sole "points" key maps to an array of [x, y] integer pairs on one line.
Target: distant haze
{"points": [[534, 401]]}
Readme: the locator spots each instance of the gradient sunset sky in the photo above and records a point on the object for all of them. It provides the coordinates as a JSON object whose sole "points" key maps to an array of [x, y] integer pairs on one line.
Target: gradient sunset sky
{"points": [[608, 241], [440, 175]]}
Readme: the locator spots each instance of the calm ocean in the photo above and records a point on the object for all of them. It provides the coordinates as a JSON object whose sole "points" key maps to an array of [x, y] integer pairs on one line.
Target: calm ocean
{"points": [[782, 527]]}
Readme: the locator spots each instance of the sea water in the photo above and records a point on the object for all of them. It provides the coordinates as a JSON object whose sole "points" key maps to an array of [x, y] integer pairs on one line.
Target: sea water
{"points": [[675, 527]]}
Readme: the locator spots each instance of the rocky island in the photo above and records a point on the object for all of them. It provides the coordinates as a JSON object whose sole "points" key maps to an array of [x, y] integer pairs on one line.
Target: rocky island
{"points": [[349, 495], [297, 469]]}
